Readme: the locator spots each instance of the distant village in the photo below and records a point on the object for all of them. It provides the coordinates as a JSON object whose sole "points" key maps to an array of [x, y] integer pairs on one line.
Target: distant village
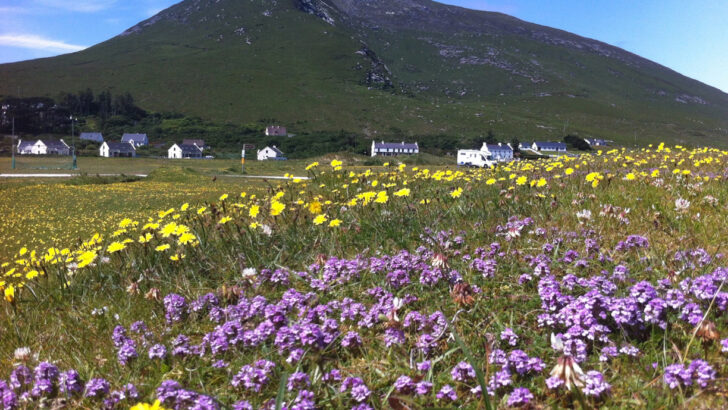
{"points": [[486, 155]]}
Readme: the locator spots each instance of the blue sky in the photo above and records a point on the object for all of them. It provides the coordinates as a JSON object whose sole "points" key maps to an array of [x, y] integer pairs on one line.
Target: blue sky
{"points": [[689, 37]]}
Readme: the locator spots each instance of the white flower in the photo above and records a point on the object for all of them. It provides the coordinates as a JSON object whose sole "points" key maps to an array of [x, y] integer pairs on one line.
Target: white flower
{"points": [[22, 354], [584, 214], [556, 343], [249, 273], [266, 230], [681, 205]]}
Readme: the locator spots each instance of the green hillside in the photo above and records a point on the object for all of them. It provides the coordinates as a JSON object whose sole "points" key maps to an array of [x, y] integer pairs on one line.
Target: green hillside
{"points": [[379, 68]]}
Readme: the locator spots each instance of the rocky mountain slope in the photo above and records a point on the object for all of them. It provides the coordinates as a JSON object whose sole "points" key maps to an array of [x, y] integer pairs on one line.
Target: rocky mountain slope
{"points": [[384, 67]]}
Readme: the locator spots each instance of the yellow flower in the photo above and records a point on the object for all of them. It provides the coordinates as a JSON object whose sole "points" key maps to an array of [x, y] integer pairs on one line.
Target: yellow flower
{"points": [[312, 165], [336, 163], [145, 238], [32, 274], [382, 197], [169, 229], [253, 211], [319, 219], [186, 238], [225, 220], [569, 171], [162, 248], [115, 247], [521, 180], [490, 181], [184, 207], [276, 208], [456, 193], [10, 294], [630, 177], [541, 182], [402, 192], [334, 223], [177, 257], [315, 207], [201, 210], [125, 222], [146, 406], [86, 258], [223, 197]]}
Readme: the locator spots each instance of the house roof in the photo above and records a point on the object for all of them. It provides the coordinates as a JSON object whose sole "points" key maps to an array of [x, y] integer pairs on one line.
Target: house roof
{"points": [[275, 128], [496, 147], [550, 145], [26, 144], [392, 145], [134, 137], [189, 148], [92, 136], [55, 144], [198, 142], [276, 150], [120, 146]]}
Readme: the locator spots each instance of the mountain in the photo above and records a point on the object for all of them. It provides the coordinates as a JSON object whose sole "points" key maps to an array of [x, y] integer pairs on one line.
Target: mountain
{"points": [[384, 68]]}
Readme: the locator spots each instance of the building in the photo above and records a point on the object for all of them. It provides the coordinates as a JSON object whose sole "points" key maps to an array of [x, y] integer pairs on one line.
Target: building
{"points": [[276, 131], [498, 152], [270, 153], [137, 139], [388, 149], [593, 142], [549, 146], [184, 151], [200, 143], [43, 147], [92, 136], [117, 149]]}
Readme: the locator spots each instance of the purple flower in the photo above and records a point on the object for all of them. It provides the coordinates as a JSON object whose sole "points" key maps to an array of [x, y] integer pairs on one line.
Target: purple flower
{"points": [[510, 336], [594, 384], [404, 384], [242, 405], [175, 307], [351, 339], [519, 397], [254, 377], [423, 388], [554, 382], [297, 381], [702, 372], [127, 352], [157, 351], [462, 372], [97, 388], [425, 365], [19, 377], [724, 346], [447, 392], [71, 383]]}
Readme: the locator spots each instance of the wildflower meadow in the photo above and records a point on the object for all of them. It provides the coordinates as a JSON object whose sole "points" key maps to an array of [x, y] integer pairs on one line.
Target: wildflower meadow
{"points": [[587, 281]]}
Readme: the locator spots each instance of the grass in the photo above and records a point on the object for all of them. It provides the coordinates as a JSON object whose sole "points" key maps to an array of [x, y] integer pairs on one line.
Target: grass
{"points": [[453, 245]]}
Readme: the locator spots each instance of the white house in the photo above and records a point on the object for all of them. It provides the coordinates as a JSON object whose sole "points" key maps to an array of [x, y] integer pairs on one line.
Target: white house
{"points": [[270, 153], [498, 152], [184, 151], [137, 139], [117, 149], [276, 130], [549, 146], [43, 147], [392, 148], [594, 142]]}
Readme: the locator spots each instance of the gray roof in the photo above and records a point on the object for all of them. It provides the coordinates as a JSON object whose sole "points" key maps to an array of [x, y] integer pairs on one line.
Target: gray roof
{"points": [[92, 136], [496, 147], [120, 146], [26, 144], [392, 145], [189, 149], [137, 138], [550, 145], [55, 144], [276, 150]]}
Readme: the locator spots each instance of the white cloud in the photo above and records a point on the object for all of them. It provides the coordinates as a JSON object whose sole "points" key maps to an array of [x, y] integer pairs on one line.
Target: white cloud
{"points": [[35, 42], [83, 6]]}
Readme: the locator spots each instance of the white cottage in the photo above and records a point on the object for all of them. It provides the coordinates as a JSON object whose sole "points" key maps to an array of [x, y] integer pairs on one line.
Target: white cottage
{"points": [[117, 149], [184, 151], [499, 152], [270, 153], [388, 149], [43, 147]]}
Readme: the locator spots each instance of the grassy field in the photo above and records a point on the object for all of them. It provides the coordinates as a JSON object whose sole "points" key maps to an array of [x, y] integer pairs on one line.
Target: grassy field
{"points": [[587, 282]]}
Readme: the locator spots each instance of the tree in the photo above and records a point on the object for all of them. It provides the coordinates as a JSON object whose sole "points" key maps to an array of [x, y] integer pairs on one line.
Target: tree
{"points": [[577, 142], [515, 145], [490, 138]]}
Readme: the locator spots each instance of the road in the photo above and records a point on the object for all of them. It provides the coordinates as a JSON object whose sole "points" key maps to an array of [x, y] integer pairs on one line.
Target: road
{"points": [[140, 175]]}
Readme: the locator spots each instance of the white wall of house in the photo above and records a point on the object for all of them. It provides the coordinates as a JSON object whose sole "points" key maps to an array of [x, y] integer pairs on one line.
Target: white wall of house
{"points": [[266, 153], [104, 150], [174, 152]]}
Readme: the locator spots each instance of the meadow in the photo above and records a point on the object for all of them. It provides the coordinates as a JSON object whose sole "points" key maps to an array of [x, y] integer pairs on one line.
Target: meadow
{"points": [[592, 281]]}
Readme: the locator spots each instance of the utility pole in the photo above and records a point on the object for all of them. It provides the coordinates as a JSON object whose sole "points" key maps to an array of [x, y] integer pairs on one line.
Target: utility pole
{"points": [[242, 160], [12, 149], [73, 143]]}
